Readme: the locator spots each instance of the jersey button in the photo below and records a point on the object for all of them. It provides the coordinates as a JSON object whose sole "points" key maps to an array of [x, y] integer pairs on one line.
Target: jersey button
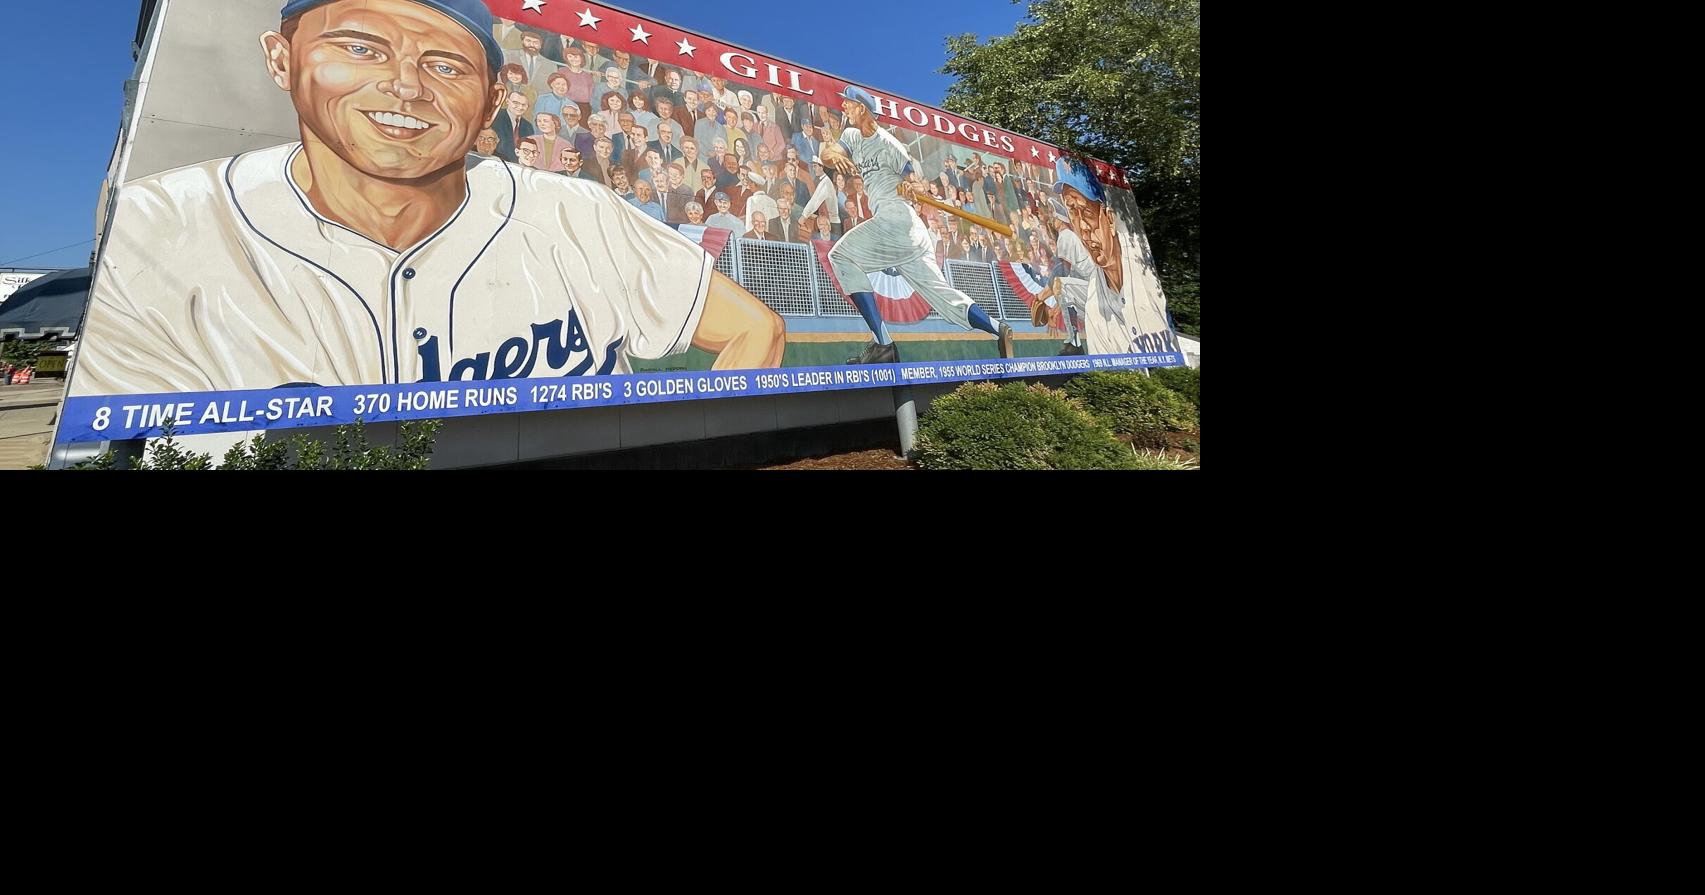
{"points": [[408, 274]]}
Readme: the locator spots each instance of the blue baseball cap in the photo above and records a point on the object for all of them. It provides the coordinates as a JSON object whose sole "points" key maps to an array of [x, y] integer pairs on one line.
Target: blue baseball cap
{"points": [[1077, 175], [857, 95], [470, 14]]}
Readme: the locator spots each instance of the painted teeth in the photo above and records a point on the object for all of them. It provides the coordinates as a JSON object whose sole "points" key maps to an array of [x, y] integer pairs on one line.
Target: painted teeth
{"points": [[391, 119]]}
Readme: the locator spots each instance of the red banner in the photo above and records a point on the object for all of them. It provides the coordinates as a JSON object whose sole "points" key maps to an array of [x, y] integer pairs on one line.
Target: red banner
{"points": [[640, 36]]}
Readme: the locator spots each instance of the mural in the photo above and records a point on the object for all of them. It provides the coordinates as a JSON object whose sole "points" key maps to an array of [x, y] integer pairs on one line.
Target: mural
{"points": [[476, 198]]}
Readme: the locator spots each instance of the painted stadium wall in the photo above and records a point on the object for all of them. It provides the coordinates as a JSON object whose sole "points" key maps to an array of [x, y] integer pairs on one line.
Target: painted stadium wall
{"points": [[399, 209]]}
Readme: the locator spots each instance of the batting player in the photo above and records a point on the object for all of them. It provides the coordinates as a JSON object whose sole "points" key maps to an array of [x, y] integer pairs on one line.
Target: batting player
{"points": [[894, 236], [377, 250], [1112, 305]]}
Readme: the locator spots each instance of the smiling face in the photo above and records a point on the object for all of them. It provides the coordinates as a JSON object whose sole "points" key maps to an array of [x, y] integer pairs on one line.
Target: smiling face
{"points": [[487, 143], [642, 191], [395, 89]]}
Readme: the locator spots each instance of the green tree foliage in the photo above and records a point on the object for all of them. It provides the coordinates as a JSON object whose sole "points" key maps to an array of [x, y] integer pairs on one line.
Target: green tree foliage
{"points": [[1120, 81], [1184, 300], [19, 353]]}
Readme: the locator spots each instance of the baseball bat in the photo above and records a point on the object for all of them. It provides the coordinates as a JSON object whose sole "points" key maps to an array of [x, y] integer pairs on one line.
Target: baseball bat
{"points": [[977, 219]]}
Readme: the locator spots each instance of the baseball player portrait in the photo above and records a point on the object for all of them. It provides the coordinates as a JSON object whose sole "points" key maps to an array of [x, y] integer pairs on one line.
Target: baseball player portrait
{"points": [[1113, 304], [378, 249], [894, 236]]}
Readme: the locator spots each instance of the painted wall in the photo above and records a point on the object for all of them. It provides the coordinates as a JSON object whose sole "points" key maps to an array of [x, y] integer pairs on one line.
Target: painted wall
{"points": [[386, 209]]}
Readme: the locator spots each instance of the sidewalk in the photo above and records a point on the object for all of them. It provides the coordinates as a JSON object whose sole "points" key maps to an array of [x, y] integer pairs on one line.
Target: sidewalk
{"points": [[27, 414]]}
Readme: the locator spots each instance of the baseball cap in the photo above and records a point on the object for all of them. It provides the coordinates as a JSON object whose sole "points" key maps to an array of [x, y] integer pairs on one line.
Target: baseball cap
{"points": [[1077, 175], [720, 195], [470, 14], [858, 95]]}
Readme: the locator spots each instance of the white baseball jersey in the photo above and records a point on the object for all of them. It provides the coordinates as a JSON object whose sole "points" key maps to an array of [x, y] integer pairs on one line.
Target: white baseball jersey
{"points": [[1108, 316], [223, 276], [894, 236]]}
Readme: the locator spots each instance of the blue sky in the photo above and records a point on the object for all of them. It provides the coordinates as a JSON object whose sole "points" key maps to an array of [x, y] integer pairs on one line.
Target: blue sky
{"points": [[62, 88]]}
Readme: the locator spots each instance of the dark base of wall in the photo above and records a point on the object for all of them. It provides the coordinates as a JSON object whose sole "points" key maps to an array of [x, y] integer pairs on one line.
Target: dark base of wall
{"points": [[737, 451]]}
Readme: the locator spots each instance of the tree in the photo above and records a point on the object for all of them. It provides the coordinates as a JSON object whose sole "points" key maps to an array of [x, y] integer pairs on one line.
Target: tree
{"points": [[1120, 81], [19, 353]]}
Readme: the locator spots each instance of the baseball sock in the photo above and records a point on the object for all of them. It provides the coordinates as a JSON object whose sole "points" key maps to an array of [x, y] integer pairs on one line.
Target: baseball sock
{"points": [[866, 304], [980, 319]]}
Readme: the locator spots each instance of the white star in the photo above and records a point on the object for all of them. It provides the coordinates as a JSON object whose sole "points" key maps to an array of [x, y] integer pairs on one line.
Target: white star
{"points": [[686, 49], [588, 20], [537, 6], [1050, 155], [1034, 152], [640, 35]]}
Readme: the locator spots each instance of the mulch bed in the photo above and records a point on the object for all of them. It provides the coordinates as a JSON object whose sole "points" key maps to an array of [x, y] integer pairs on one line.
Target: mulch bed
{"points": [[1171, 443], [880, 458]]}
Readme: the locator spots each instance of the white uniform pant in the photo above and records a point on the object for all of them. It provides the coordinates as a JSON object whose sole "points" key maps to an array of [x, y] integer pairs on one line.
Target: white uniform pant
{"points": [[895, 237], [1105, 330]]}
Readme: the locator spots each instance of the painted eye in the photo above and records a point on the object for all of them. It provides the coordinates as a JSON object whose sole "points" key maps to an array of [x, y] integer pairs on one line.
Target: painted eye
{"points": [[359, 50], [443, 69]]}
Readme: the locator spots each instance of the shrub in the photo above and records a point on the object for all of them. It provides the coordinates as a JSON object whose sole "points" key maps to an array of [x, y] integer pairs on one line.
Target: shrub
{"points": [[1186, 381], [1132, 404], [350, 451], [984, 426]]}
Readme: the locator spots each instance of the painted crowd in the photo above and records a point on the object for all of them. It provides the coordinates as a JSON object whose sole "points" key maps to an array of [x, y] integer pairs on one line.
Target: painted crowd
{"points": [[689, 148]]}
